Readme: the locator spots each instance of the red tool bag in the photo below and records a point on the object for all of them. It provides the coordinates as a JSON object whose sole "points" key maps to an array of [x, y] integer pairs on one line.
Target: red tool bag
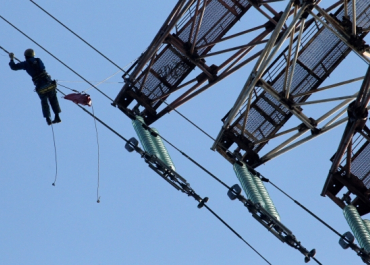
{"points": [[78, 98]]}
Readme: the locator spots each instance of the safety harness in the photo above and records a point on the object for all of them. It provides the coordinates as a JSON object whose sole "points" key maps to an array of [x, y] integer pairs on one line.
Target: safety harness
{"points": [[42, 77]]}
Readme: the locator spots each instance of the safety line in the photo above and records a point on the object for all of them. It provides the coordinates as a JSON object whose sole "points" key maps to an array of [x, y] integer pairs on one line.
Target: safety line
{"points": [[79, 37], [132, 145], [101, 82], [56, 58], [55, 155], [67, 87], [97, 141]]}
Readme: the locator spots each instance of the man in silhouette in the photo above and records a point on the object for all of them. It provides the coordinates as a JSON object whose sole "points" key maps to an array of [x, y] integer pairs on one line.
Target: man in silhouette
{"points": [[45, 87]]}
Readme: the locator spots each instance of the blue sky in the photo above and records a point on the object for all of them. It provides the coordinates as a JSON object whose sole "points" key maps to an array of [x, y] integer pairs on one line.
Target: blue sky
{"points": [[141, 219]]}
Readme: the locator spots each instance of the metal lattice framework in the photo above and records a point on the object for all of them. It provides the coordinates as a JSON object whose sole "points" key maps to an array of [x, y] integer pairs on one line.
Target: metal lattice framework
{"points": [[303, 45], [182, 45]]}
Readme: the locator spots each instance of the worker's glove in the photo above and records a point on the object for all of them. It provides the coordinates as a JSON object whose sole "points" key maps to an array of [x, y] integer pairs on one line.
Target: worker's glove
{"points": [[11, 56]]}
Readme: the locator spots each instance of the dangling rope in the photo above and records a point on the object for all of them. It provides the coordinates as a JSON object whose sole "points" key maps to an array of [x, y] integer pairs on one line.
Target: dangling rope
{"points": [[55, 154], [97, 141]]}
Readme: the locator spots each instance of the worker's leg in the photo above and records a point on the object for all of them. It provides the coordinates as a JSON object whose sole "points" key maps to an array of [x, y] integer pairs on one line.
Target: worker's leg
{"points": [[44, 105], [45, 108], [52, 95]]}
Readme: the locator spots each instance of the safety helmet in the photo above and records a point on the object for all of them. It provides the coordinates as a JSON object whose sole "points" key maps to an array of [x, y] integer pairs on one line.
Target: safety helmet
{"points": [[29, 53]]}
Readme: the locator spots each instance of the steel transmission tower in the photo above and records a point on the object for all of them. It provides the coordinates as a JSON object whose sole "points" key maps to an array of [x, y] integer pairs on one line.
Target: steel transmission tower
{"points": [[293, 53]]}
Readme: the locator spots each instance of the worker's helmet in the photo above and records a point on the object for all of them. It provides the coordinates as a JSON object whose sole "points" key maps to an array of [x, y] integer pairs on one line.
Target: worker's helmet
{"points": [[29, 53]]}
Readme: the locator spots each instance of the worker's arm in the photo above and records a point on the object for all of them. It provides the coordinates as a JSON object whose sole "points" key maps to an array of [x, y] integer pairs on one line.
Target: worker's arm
{"points": [[18, 66]]}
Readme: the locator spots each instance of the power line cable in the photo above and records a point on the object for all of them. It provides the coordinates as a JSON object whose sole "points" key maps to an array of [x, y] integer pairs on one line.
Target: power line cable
{"points": [[228, 226], [56, 58], [79, 37], [134, 147], [196, 163], [116, 65]]}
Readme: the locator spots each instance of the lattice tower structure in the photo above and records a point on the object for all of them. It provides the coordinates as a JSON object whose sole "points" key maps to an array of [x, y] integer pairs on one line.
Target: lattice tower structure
{"points": [[182, 45], [269, 109]]}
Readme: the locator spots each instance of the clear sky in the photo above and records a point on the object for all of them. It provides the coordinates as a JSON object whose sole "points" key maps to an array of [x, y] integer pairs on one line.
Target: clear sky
{"points": [[141, 219]]}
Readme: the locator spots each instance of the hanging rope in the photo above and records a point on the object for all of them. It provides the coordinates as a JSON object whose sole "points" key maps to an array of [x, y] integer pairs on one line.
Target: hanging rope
{"points": [[97, 142], [55, 155]]}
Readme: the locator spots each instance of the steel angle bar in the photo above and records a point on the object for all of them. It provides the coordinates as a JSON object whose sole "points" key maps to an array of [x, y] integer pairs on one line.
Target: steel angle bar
{"points": [[174, 90], [198, 27], [269, 157], [193, 21], [328, 87], [243, 52], [231, 36], [365, 135], [343, 144], [336, 117], [289, 54], [295, 58], [292, 109], [363, 57], [269, 8], [252, 80], [247, 113], [233, 49], [335, 109], [276, 135], [354, 17], [324, 100], [273, 21], [170, 23], [285, 143], [215, 81]]}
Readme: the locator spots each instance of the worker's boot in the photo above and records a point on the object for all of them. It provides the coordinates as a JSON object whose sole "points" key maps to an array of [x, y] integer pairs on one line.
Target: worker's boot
{"points": [[57, 119], [48, 121]]}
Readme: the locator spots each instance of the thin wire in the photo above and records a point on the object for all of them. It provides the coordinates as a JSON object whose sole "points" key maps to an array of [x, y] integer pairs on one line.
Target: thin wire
{"points": [[56, 58], [79, 37], [318, 262], [55, 155], [115, 64], [67, 87], [196, 126], [127, 141], [99, 83], [228, 226], [97, 141]]}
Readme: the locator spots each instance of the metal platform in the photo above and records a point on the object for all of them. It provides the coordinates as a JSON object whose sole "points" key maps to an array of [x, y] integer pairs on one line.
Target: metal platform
{"points": [[268, 109], [181, 46]]}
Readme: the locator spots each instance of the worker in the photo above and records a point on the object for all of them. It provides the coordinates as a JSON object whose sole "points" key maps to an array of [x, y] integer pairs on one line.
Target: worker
{"points": [[45, 87]]}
